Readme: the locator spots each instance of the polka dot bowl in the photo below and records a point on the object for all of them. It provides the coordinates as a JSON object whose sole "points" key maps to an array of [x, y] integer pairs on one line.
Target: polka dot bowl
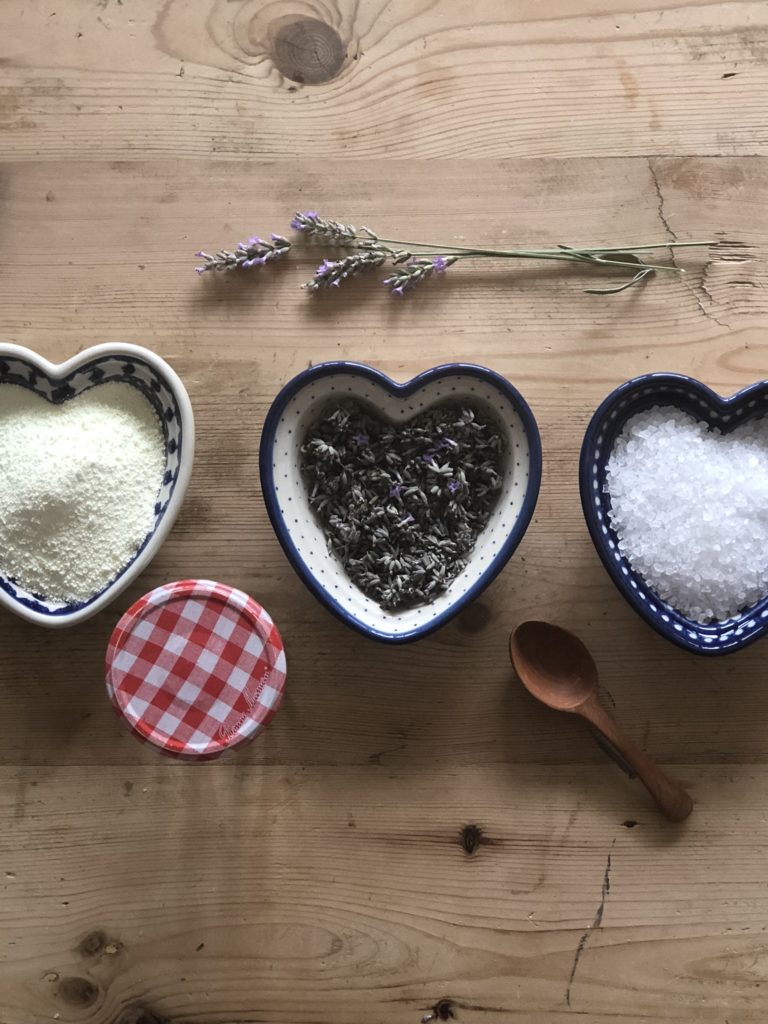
{"points": [[58, 383], [695, 398], [300, 532]]}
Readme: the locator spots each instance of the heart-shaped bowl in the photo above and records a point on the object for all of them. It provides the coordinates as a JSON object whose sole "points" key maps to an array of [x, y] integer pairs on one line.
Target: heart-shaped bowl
{"points": [[725, 414], [299, 531], [164, 390]]}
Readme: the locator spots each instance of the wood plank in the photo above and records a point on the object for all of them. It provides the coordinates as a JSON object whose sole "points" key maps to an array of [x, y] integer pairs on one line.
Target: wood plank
{"points": [[109, 247], [327, 874], [195, 78], [236, 342], [229, 894]]}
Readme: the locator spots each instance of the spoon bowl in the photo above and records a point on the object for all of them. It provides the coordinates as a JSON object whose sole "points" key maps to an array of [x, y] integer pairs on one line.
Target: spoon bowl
{"points": [[553, 664]]}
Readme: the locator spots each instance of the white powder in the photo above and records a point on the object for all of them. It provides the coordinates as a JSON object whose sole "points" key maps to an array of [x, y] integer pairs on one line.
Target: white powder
{"points": [[78, 485], [690, 508]]}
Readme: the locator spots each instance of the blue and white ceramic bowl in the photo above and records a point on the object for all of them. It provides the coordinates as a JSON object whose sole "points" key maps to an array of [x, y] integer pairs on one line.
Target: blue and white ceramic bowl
{"points": [[300, 532], [725, 414], [62, 383]]}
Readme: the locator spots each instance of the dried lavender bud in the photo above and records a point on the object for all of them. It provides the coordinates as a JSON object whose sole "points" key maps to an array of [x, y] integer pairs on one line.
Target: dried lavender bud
{"points": [[333, 272], [253, 253], [312, 224], [401, 507], [415, 271]]}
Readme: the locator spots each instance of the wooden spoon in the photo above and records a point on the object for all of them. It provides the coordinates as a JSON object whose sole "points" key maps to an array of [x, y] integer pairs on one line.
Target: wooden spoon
{"points": [[556, 667]]}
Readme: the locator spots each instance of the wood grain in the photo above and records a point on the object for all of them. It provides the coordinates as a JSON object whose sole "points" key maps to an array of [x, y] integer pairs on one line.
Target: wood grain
{"points": [[413, 836], [323, 894], [191, 78]]}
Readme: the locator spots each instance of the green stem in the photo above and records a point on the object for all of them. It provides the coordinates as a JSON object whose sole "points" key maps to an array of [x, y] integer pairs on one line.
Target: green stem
{"points": [[542, 253], [638, 248]]}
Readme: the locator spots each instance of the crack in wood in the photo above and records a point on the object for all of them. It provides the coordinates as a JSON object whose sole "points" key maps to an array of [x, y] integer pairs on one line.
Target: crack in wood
{"points": [[597, 921], [673, 237]]}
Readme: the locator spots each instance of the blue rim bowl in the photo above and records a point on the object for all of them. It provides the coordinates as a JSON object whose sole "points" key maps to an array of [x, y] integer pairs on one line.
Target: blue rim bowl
{"points": [[299, 531], [725, 414]]}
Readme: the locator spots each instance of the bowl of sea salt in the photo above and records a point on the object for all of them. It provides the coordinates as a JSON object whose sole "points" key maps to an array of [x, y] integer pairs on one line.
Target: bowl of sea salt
{"points": [[95, 457], [674, 488]]}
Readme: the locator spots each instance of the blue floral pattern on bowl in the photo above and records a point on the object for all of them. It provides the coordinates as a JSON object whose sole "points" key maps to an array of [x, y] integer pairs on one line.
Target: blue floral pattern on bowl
{"points": [[695, 398], [300, 532], [140, 369]]}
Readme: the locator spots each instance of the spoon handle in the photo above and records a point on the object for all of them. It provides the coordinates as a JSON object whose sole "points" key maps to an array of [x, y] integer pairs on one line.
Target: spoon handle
{"points": [[674, 801]]}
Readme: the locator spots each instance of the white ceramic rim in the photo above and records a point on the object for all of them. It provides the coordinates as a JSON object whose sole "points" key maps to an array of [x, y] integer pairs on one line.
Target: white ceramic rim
{"points": [[58, 370]]}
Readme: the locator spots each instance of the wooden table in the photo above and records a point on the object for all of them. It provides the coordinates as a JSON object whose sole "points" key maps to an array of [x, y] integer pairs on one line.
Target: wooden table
{"points": [[413, 838]]}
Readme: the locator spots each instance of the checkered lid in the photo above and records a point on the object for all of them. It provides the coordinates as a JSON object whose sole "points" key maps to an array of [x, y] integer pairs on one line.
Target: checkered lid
{"points": [[196, 668]]}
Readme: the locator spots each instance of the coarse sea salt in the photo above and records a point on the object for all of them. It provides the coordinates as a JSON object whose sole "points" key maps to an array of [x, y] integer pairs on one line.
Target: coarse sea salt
{"points": [[689, 506], [78, 485]]}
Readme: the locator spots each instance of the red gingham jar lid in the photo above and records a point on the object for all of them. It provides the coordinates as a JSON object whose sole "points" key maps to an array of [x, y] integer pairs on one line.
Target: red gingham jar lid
{"points": [[196, 668]]}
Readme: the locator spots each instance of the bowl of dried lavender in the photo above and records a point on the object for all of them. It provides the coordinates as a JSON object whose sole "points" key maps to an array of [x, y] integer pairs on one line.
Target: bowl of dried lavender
{"points": [[397, 504]]}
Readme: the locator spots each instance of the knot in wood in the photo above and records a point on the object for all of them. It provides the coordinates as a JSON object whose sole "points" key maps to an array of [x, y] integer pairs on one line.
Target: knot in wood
{"points": [[93, 944], [475, 618], [142, 1015], [78, 991], [470, 838], [307, 51]]}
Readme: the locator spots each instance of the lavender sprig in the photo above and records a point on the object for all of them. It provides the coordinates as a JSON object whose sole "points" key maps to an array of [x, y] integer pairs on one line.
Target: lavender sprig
{"points": [[331, 273], [256, 252], [417, 261]]}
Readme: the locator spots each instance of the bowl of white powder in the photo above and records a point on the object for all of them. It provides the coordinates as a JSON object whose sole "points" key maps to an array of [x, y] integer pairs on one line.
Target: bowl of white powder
{"points": [[95, 457], [674, 488]]}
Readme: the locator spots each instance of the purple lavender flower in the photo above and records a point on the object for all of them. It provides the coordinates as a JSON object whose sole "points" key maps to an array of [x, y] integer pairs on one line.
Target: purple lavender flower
{"points": [[404, 278], [304, 221], [361, 439], [407, 520], [331, 273], [396, 490], [253, 253], [312, 224], [454, 486]]}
